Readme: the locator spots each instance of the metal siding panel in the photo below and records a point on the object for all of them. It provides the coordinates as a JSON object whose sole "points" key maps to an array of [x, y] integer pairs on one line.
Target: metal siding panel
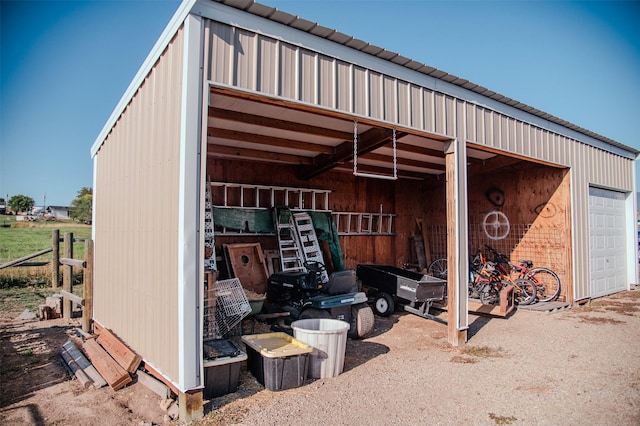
{"points": [[581, 227], [326, 81], [416, 107], [344, 83], [429, 110], [135, 266], [269, 66], [221, 59], [376, 95], [440, 113], [360, 91], [404, 103], [496, 129], [487, 118], [470, 122], [246, 56], [288, 74], [461, 120], [450, 116], [390, 99], [479, 119], [308, 77]]}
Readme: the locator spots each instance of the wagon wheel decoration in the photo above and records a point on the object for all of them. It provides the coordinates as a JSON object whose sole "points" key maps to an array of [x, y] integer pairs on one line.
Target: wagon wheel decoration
{"points": [[496, 225]]}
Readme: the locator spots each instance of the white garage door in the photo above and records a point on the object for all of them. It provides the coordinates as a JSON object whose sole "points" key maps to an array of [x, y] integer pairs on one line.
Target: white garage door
{"points": [[607, 242]]}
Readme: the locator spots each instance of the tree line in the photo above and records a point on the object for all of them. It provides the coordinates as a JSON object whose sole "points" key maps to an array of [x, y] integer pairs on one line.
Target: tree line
{"points": [[80, 209]]}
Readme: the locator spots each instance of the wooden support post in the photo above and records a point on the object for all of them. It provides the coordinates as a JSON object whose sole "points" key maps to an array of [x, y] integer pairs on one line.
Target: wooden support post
{"points": [[87, 280], [191, 405], [457, 298], [55, 267], [67, 275]]}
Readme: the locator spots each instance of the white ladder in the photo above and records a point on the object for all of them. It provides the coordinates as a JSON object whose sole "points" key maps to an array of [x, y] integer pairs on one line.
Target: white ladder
{"points": [[309, 241], [297, 241], [291, 256]]}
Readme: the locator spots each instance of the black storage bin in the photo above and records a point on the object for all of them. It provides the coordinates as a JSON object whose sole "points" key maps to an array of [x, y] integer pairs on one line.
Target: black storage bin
{"points": [[221, 368], [277, 360]]}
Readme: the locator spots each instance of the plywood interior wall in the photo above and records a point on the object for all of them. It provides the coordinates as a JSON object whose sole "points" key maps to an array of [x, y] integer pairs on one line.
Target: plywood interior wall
{"points": [[349, 194], [536, 200], [535, 197]]}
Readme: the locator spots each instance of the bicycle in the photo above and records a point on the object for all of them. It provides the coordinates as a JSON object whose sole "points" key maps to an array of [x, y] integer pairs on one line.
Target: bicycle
{"points": [[547, 282], [525, 290]]}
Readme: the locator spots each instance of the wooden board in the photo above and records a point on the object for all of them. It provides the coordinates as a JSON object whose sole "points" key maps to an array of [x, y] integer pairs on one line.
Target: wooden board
{"points": [[109, 369], [248, 264], [124, 356]]}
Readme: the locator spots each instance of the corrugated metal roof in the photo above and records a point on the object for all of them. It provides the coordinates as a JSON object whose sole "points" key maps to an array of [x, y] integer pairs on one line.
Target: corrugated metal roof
{"points": [[333, 35]]}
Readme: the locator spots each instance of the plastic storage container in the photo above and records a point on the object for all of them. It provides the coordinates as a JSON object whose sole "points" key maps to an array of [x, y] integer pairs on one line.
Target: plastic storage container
{"points": [[221, 368], [277, 360], [329, 340]]}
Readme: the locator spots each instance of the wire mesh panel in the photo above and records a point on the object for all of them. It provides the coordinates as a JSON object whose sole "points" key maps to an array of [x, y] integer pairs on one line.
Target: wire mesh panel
{"points": [[544, 246], [227, 310]]}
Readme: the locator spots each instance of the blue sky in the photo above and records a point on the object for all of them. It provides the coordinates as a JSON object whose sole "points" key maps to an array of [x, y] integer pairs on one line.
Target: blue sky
{"points": [[65, 64]]}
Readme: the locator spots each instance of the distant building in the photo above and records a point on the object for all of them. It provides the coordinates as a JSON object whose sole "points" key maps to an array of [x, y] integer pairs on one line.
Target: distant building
{"points": [[57, 212]]}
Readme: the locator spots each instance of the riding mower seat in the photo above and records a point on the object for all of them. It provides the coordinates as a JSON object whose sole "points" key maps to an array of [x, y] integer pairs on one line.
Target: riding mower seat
{"points": [[341, 282]]}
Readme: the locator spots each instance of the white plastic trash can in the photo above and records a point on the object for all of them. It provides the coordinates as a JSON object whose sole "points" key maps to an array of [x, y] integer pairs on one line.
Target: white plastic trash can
{"points": [[328, 337]]}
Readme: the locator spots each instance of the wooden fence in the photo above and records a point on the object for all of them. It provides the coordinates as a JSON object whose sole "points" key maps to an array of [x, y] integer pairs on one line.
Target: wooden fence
{"points": [[67, 262]]}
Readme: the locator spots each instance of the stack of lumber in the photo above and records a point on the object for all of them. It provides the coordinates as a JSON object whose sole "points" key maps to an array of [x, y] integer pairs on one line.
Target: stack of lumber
{"points": [[80, 367], [112, 358]]}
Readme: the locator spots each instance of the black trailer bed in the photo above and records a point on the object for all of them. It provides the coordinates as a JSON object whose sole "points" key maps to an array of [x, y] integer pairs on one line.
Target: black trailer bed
{"points": [[404, 284]]}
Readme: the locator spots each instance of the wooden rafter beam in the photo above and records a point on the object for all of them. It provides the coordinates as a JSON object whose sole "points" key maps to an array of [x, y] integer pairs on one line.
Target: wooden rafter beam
{"points": [[404, 161], [367, 142], [267, 140], [276, 123], [430, 152], [222, 151], [493, 165]]}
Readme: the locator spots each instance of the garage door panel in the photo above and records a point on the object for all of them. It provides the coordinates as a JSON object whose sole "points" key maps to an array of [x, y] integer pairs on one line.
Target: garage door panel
{"points": [[607, 224]]}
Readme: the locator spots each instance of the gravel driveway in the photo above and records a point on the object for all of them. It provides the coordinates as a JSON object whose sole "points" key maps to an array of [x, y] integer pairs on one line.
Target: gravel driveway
{"points": [[571, 367]]}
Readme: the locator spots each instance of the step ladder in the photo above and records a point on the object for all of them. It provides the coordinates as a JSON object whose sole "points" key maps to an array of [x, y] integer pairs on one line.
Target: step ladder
{"points": [[291, 255], [297, 241]]}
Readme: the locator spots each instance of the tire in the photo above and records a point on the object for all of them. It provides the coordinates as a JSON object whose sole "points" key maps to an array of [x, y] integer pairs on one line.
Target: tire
{"points": [[362, 321], [384, 304], [438, 268], [489, 295], [311, 313], [525, 291], [547, 283]]}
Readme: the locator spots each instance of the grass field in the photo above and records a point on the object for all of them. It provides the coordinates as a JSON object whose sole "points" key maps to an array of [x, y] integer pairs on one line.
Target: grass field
{"points": [[18, 239]]}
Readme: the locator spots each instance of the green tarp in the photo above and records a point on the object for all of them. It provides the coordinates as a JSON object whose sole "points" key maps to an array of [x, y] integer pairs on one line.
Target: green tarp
{"points": [[261, 221]]}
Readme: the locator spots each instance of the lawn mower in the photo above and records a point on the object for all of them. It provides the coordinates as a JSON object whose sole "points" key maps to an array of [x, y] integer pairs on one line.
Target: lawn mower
{"points": [[304, 295]]}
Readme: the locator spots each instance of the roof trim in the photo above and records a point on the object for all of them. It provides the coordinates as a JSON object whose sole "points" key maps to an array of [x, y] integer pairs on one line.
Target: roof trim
{"points": [[553, 122], [163, 41]]}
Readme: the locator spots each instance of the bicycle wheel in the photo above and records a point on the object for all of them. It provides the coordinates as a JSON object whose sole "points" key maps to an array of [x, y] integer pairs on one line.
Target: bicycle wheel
{"points": [[547, 283], [438, 268], [525, 291]]}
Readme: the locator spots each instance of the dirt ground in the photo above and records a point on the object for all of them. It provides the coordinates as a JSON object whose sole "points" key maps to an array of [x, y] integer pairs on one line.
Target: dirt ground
{"points": [[571, 367]]}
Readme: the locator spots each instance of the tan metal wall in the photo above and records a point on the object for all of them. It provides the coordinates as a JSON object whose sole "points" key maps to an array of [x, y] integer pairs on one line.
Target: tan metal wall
{"points": [[276, 67], [136, 217]]}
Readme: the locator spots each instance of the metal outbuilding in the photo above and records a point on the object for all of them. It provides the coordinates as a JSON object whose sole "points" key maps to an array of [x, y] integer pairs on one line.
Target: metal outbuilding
{"points": [[250, 97]]}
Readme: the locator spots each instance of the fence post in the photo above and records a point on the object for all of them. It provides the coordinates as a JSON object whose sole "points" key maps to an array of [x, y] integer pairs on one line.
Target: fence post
{"points": [[87, 309], [55, 260], [67, 275]]}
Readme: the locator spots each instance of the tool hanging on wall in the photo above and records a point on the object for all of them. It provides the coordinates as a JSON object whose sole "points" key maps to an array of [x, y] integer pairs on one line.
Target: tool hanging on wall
{"points": [[373, 175]]}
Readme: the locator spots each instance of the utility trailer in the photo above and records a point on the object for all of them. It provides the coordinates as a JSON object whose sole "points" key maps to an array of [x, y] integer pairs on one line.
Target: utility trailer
{"points": [[386, 285]]}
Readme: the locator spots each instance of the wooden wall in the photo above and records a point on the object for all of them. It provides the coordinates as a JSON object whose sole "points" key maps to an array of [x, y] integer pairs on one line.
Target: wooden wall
{"points": [[532, 194], [348, 195]]}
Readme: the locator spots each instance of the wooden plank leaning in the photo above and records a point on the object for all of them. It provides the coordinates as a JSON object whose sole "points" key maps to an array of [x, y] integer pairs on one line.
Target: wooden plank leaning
{"points": [[120, 352], [109, 369]]}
